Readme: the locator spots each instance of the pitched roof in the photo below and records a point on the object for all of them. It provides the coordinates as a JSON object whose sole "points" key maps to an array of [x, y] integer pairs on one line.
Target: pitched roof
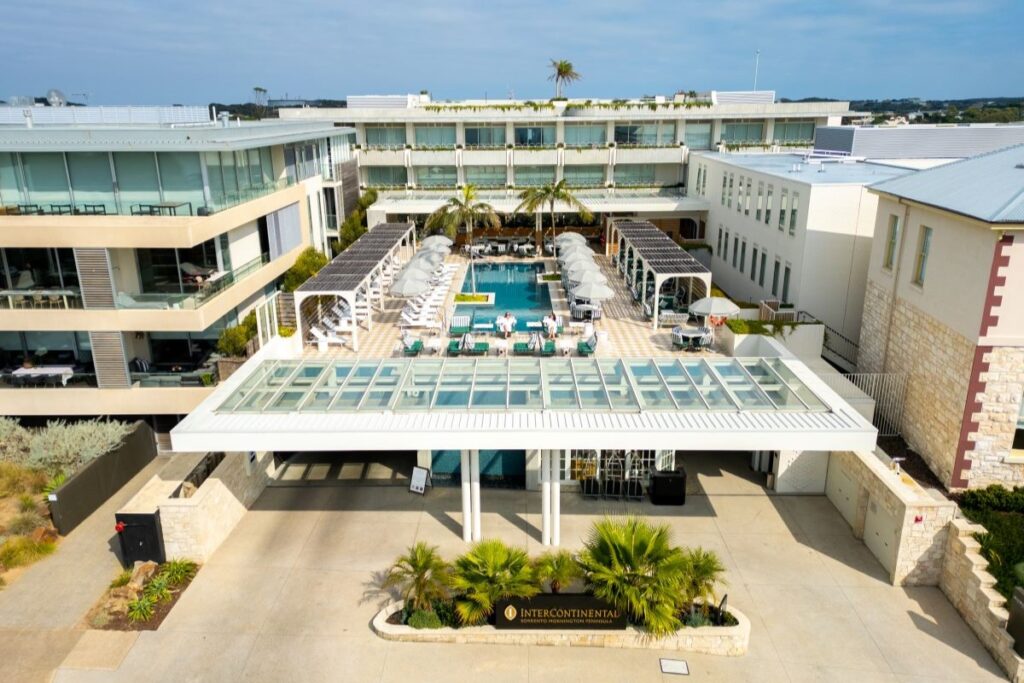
{"points": [[989, 187]]}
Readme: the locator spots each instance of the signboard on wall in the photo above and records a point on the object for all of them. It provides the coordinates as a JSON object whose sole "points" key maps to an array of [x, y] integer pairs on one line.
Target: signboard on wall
{"points": [[561, 611]]}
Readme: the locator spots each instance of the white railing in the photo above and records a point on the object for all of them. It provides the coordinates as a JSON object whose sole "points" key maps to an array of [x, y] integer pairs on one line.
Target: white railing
{"points": [[889, 391]]}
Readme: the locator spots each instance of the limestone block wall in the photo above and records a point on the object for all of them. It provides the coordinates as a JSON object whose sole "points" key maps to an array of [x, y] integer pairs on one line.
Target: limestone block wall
{"points": [[1000, 398], [970, 588], [920, 520], [195, 527], [875, 321]]}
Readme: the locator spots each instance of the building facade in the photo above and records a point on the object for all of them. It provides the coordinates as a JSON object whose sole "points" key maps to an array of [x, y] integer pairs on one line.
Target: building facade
{"points": [[945, 305], [126, 249]]}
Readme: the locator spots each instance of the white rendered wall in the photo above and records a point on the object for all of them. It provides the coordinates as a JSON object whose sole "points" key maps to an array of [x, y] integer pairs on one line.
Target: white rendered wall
{"points": [[244, 244]]}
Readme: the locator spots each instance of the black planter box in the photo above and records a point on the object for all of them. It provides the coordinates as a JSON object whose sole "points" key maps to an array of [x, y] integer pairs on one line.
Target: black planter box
{"points": [[669, 487]]}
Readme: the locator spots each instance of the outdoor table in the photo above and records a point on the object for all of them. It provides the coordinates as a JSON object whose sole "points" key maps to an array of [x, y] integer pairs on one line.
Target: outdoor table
{"points": [[65, 372], [166, 208], [690, 334]]}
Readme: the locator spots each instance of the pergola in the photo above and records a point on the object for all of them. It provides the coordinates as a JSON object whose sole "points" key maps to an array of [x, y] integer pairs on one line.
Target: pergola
{"points": [[652, 253], [352, 272]]}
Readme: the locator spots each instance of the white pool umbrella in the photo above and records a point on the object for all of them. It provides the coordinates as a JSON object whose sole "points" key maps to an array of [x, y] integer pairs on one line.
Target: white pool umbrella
{"points": [[435, 248], [409, 286], [570, 237], [575, 257], [432, 257], [437, 239], [587, 277], [577, 269], [714, 305], [593, 291], [564, 254], [420, 264]]}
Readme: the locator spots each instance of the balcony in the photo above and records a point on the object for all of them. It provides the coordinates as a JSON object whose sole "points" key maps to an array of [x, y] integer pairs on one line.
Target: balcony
{"points": [[583, 156], [649, 155], [40, 299], [433, 157], [382, 157], [204, 292]]}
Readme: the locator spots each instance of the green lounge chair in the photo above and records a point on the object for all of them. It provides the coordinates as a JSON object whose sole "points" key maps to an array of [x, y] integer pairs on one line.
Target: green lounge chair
{"points": [[479, 349], [413, 349], [587, 348], [458, 331], [548, 349], [454, 347], [522, 349]]}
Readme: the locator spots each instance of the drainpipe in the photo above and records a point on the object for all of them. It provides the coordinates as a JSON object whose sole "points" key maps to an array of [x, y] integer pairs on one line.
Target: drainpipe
{"points": [[895, 281]]}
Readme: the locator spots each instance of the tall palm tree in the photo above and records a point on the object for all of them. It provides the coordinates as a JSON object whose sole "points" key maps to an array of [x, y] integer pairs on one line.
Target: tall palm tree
{"points": [[489, 572], [420, 575], [562, 74], [537, 198], [464, 210]]}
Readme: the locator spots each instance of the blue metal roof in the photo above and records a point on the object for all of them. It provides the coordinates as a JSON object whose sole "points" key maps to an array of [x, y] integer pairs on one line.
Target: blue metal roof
{"points": [[989, 187]]}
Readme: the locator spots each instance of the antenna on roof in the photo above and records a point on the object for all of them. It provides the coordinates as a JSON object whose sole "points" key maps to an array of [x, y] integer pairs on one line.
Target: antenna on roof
{"points": [[757, 64]]}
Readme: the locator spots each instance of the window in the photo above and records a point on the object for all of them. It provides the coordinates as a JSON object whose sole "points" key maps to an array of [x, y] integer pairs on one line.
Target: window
{"points": [[924, 243], [384, 176], [385, 136], [485, 136], [775, 278], [137, 180], [728, 201], [743, 132], [793, 131], [792, 213], [534, 176], [764, 267], [746, 206], [768, 207], [1018, 435], [891, 240], [46, 178], [486, 176], [783, 205], [653, 134], [584, 176], [725, 180], [760, 201], [435, 136], [753, 264], [697, 135], [743, 255], [436, 176], [634, 174], [182, 177], [725, 254], [90, 179], [735, 249], [785, 285], [718, 249], [535, 136], [10, 180], [739, 195], [585, 135]]}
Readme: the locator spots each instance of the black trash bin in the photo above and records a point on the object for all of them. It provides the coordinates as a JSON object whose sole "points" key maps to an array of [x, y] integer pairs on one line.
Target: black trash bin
{"points": [[141, 537], [668, 487]]}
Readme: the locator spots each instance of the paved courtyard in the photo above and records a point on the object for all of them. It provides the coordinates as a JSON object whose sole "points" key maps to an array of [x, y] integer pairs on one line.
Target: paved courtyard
{"points": [[290, 594]]}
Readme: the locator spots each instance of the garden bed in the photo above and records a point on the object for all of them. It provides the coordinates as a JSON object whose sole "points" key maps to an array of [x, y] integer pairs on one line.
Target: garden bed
{"points": [[478, 299], [120, 610], [1001, 512], [731, 641]]}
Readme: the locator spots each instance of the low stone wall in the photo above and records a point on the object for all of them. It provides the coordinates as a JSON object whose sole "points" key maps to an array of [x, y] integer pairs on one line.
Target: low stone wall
{"points": [[731, 641], [969, 586], [920, 520], [195, 527]]}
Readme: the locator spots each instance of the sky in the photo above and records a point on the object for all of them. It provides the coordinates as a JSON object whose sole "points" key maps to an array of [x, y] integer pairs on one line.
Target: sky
{"points": [[201, 51]]}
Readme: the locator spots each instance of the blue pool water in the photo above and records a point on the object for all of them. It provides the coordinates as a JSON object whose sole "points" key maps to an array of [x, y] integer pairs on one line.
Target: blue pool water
{"points": [[515, 291]]}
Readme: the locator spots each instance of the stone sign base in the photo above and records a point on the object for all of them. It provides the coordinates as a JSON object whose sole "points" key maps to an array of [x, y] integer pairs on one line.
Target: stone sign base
{"points": [[731, 641]]}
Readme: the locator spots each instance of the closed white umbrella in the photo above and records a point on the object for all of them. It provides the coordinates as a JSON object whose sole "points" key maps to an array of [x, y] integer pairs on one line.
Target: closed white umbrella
{"points": [[714, 305], [588, 277], [594, 291], [437, 239]]}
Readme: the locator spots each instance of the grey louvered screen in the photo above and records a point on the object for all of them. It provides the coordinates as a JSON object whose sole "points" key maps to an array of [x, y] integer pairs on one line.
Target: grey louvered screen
{"points": [[349, 187], [109, 359], [94, 278]]}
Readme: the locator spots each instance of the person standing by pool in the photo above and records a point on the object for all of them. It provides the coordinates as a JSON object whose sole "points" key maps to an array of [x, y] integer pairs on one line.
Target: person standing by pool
{"points": [[551, 325]]}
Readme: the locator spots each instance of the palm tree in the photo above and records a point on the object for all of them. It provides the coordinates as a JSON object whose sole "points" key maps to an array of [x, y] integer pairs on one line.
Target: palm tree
{"points": [[562, 74], [537, 198], [420, 575], [631, 564], [464, 210], [559, 569], [704, 572], [489, 572]]}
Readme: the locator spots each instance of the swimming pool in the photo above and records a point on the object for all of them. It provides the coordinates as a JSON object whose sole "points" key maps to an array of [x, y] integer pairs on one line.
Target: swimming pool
{"points": [[515, 290]]}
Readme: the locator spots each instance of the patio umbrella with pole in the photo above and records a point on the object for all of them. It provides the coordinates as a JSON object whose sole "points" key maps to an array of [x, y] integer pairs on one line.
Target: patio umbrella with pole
{"points": [[717, 306], [420, 264], [587, 277], [593, 291]]}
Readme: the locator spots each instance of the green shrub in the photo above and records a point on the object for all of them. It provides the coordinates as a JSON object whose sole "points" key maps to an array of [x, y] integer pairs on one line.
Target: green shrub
{"points": [[158, 589], [420, 575], [445, 611], [14, 441], [489, 572], [995, 498], [141, 609], [285, 330], [178, 572], [18, 551], [423, 619], [308, 264], [16, 479], [122, 579], [26, 502], [25, 523], [558, 568], [67, 446], [54, 483], [770, 329], [697, 619], [233, 340]]}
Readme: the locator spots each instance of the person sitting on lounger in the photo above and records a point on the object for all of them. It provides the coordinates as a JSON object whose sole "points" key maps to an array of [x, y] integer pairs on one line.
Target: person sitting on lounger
{"points": [[468, 343], [551, 325]]}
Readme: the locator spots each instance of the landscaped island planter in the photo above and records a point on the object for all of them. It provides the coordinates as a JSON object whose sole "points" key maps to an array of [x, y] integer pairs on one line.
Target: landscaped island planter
{"points": [[711, 640]]}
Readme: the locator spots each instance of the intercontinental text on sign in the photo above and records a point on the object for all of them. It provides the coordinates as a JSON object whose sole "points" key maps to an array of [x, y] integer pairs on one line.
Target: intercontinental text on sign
{"points": [[548, 611]]}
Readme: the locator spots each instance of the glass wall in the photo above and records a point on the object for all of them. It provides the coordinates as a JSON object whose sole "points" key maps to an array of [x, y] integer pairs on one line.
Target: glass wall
{"points": [[38, 278], [634, 174], [436, 176], [584, 176], [485, 136], [486, 176], [136, 179], [585, 135], [46, 179], [794, 131], [535, 136], [534, 176], [44, 348], [381, 176], [236, 176], [697, 135], [93, 182], [182, 178], [652, 134], [387, 137], [435, 136], [743, 132], [11, 193]]}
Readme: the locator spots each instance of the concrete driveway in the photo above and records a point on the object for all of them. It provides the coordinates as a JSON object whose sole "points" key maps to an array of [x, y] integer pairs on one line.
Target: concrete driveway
{"points": [[290, 593]]}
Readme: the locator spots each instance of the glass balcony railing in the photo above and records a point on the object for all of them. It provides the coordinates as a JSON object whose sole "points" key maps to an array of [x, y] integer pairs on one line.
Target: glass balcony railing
{"points": [[44, 299], [204, 292], [47, 377], [202, 377]]}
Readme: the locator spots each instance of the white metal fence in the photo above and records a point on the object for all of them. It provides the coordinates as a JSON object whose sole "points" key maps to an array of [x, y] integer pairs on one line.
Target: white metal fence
{"points": [[889, 390]]}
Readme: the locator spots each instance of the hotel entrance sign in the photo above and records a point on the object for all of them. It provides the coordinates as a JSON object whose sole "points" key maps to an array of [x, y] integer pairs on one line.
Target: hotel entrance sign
{"points": [[418, 481], [549, 611]]}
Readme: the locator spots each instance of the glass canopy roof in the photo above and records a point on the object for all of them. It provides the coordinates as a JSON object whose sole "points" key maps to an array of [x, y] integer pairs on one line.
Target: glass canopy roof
{"points": [[502, 384]]}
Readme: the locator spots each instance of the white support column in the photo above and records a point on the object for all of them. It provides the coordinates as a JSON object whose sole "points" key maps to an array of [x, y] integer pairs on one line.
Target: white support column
{"points": [[545, 497], [657, 298], [556, 497], [474, 488], [467, 509]]}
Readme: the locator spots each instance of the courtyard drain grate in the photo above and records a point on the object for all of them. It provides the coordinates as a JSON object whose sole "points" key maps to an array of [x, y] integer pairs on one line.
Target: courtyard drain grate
{"points": [[674, 666]]}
